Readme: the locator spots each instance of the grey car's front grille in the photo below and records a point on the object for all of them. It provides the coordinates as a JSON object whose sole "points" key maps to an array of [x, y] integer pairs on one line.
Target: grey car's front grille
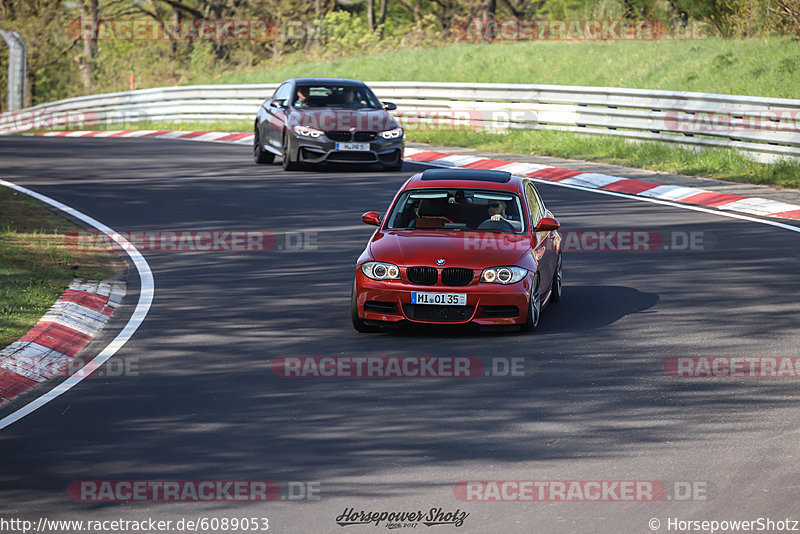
{"points": [[338, 136], [365, 136]]}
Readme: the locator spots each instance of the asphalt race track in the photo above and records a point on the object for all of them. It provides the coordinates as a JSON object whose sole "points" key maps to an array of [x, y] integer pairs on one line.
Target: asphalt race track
{"points": [[596, 404]]}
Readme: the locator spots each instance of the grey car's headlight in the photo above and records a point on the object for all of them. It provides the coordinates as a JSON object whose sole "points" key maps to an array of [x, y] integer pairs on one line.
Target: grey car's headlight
{"points": [[392, 134], [378, 270], [307, 131], [503, 275]]}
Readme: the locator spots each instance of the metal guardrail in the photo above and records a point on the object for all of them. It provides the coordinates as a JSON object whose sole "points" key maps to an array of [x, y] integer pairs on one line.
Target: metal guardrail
{"points": [[767, 128]]}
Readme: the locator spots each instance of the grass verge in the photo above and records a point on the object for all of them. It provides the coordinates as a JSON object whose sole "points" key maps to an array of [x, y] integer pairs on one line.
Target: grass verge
{"points": [[761, 67], [37, 264]]}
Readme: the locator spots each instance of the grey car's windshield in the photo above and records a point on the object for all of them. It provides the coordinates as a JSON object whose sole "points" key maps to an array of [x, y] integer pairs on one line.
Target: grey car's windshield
{"points": [[458, 209], [335, 96]]}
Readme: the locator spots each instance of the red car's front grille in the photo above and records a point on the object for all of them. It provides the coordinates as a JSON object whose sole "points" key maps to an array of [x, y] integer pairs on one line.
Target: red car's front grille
{"points": [[422, 276], [457, 276], [444, 314]]}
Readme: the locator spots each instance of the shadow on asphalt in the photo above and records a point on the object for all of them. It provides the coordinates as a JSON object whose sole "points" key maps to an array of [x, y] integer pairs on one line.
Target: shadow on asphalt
{"points": [[204, 403]]}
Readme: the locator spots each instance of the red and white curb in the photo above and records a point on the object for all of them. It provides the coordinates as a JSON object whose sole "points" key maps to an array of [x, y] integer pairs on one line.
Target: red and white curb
{"points": [[50, 348], [146, 292], [685, 195], [217, 137]]}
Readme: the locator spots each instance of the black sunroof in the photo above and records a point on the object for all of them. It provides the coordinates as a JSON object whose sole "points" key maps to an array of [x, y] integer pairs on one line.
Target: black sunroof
{"points": [[477, 175]]}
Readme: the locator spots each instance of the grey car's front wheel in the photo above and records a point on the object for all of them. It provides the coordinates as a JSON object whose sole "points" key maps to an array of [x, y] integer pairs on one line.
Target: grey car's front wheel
{"points": [[261, 156], [288, 164]]}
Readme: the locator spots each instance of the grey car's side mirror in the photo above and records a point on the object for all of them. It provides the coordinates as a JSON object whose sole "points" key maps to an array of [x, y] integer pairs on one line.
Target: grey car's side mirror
{"points": [[389, 106]]}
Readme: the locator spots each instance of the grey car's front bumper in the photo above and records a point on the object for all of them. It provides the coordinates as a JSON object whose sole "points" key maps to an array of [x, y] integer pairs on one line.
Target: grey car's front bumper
{"points": [[323, 150]]}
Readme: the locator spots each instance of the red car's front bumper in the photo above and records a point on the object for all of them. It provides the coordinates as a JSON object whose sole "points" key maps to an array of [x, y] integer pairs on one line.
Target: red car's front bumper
{"points": [[487, 304]]}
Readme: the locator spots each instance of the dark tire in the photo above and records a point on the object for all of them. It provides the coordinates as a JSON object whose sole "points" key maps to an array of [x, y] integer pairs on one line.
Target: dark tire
{"points": [[534, 308], [261, 156], [288, 164], [358, 322], [558, 281]]}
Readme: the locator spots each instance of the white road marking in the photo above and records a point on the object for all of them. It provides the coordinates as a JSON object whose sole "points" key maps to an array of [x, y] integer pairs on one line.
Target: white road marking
{"points": [[146, 292]]}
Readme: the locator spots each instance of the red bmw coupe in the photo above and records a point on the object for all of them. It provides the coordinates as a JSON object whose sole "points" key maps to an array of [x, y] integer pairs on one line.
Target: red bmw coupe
{"points": [[459, 246]]}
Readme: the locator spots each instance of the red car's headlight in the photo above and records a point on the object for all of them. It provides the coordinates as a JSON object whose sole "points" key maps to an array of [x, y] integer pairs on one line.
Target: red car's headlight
{"points": [[378, 270], [503, 275]]}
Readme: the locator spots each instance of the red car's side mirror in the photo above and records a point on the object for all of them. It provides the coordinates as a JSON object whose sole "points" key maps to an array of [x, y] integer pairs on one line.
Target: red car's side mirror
{"points": [[371, 217], [547, 224]]}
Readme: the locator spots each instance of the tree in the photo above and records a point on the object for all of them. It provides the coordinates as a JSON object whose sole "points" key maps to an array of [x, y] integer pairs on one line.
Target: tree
{"points": [[44, 26], [789, 11], [89, 11]]}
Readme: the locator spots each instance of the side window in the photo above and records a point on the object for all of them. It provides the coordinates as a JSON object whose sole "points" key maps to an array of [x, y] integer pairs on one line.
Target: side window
{"points": [[282, 92], [542, 208], [534, 204]]}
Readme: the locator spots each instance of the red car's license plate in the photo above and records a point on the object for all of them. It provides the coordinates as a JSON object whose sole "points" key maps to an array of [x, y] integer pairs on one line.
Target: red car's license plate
{"points": [[453, 299]]}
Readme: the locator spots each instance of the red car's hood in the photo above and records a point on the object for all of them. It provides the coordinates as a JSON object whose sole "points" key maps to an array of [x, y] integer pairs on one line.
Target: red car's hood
{"points": [[344, 120], [474, 250]]}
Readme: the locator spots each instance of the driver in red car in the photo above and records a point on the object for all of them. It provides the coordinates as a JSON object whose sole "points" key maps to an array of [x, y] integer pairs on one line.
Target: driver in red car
{"points": [[497, 212]]}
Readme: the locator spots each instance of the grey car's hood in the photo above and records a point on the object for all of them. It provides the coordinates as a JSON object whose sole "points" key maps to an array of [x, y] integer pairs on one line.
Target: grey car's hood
{"points": [[343, 120]]}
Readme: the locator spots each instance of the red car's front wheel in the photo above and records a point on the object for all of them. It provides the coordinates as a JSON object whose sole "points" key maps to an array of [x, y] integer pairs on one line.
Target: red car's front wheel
{"points": [[358, 322], [534, 307]]}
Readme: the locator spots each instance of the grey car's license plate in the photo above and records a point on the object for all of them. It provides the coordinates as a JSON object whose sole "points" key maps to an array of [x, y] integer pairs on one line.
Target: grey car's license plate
{"points": [[358, 147]]}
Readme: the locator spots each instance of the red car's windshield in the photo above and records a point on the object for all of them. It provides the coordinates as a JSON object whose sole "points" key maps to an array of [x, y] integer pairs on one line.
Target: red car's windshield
{"points": [[458, 209]]}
